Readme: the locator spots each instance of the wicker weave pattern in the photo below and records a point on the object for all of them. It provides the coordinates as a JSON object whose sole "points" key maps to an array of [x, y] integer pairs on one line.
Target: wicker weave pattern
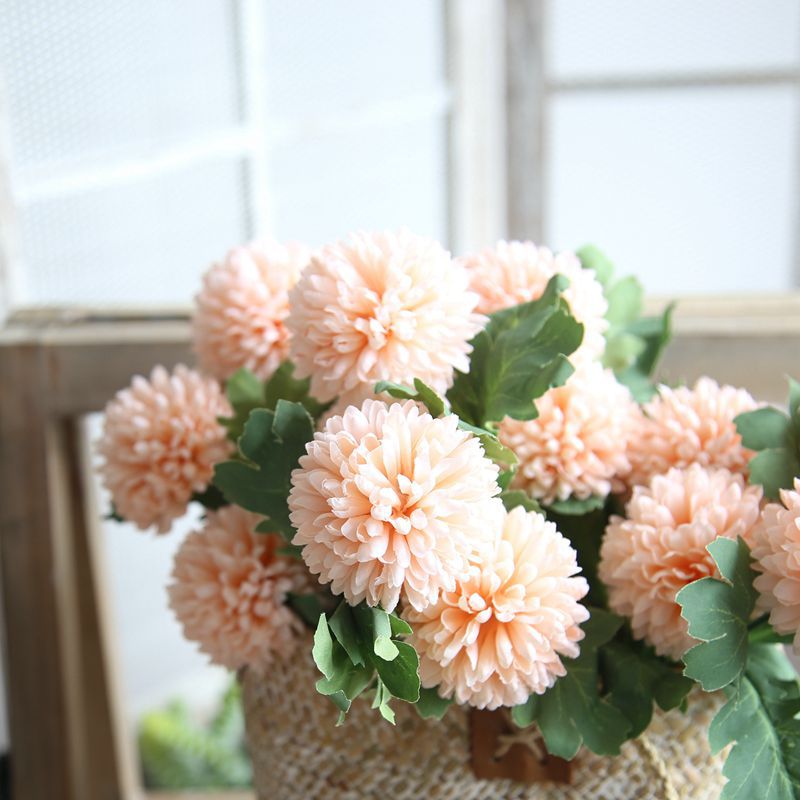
{"points": [[299, 754]]}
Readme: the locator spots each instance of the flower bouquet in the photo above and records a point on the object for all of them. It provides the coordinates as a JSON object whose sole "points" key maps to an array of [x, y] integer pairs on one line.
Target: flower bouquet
{"points": [[447, 509]]}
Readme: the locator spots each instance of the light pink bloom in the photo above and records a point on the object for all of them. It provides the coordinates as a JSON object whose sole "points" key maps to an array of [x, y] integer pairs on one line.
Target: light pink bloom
{"points": [[776, 549], [160, 442], [646, 559], [686, 426], [380, 306], [517, 272], [577, 445], [499, 636], [229, 591], [390, 501], [239, 319]]}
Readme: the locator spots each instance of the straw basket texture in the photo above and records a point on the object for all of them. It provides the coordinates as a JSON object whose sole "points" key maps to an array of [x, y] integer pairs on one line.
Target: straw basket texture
{"points": [[299, 754]]}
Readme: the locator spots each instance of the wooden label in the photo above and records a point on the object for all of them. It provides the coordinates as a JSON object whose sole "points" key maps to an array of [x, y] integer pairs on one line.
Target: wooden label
{"points": [[501, 750]]}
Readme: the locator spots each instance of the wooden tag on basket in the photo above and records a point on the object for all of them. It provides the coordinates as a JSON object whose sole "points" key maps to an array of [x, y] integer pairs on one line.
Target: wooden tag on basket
{"points": [[501, 750]]}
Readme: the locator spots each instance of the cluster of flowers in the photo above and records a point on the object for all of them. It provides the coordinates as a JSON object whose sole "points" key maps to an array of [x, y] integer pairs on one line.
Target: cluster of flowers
{"points": [[399, 508]]}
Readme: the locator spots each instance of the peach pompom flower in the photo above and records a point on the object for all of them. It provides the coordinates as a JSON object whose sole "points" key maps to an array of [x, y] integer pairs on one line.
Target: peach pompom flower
{"points": [[577, 445], [499, 636], [686, 426], [776, 550], [390, 501], [380, 306], [229, 591], [647, 558], [241, 308], [160, 441], [517, 272]]}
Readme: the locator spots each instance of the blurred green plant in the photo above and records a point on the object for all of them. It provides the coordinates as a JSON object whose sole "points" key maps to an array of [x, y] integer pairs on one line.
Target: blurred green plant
{"points": [[178, 753]]}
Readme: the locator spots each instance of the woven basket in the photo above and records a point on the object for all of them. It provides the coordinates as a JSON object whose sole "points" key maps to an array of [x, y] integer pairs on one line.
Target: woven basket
{"points": [[299, 754]]}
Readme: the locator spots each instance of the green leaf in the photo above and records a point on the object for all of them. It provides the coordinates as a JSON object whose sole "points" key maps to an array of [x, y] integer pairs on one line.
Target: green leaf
{"points": [[636, 678], [585, 533], [211, 498], [381, 702], [624, 299], [343, 681], [272, 443], [656, 333], [572, 712], [284, 386], [343, 626], [306, 606], [759, 716], [401, 674], [576, 507], [399, 626], [718, 611], [431, 705], [594, 258], [516, 497], [764, 428], [245, 393], [518, 356], [421, 393], [794, 403], [774, 469], [493, 448], [622, 350]]}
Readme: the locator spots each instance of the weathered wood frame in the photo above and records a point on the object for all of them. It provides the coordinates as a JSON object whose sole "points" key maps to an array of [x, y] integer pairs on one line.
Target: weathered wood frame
{"points": [[66, 731]]}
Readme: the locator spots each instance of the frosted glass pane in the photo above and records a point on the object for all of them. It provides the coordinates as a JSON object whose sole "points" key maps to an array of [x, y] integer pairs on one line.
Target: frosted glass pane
{"points": [[640, 36], [157, 664], [92, 78], [142, 243], [691, 190], [327, 57], [381, 177]]}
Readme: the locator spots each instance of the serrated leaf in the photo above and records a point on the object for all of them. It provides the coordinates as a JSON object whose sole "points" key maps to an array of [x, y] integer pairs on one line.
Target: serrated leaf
{"points": [[284, 386], [272, 443], [421, 392], [636, 677], [431, 705], [774, 469], [343, 627], [764, 428], [518, 356], [572, 712], [758, 716], [718, 611], [573, 506], [516, 497]]}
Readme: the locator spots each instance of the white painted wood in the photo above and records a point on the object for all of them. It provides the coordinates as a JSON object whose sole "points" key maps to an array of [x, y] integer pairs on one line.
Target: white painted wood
{"points": [[476, 46]]}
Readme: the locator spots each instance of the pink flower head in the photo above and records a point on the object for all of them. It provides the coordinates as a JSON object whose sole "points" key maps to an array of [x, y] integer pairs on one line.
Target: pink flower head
{"points": [[690, 426], [577, 445], [389, 500], [381, 306], [517, 272], [239, 320], [500, 634], [229, 591], [776, 549], [160, 442], [647, 558]]}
